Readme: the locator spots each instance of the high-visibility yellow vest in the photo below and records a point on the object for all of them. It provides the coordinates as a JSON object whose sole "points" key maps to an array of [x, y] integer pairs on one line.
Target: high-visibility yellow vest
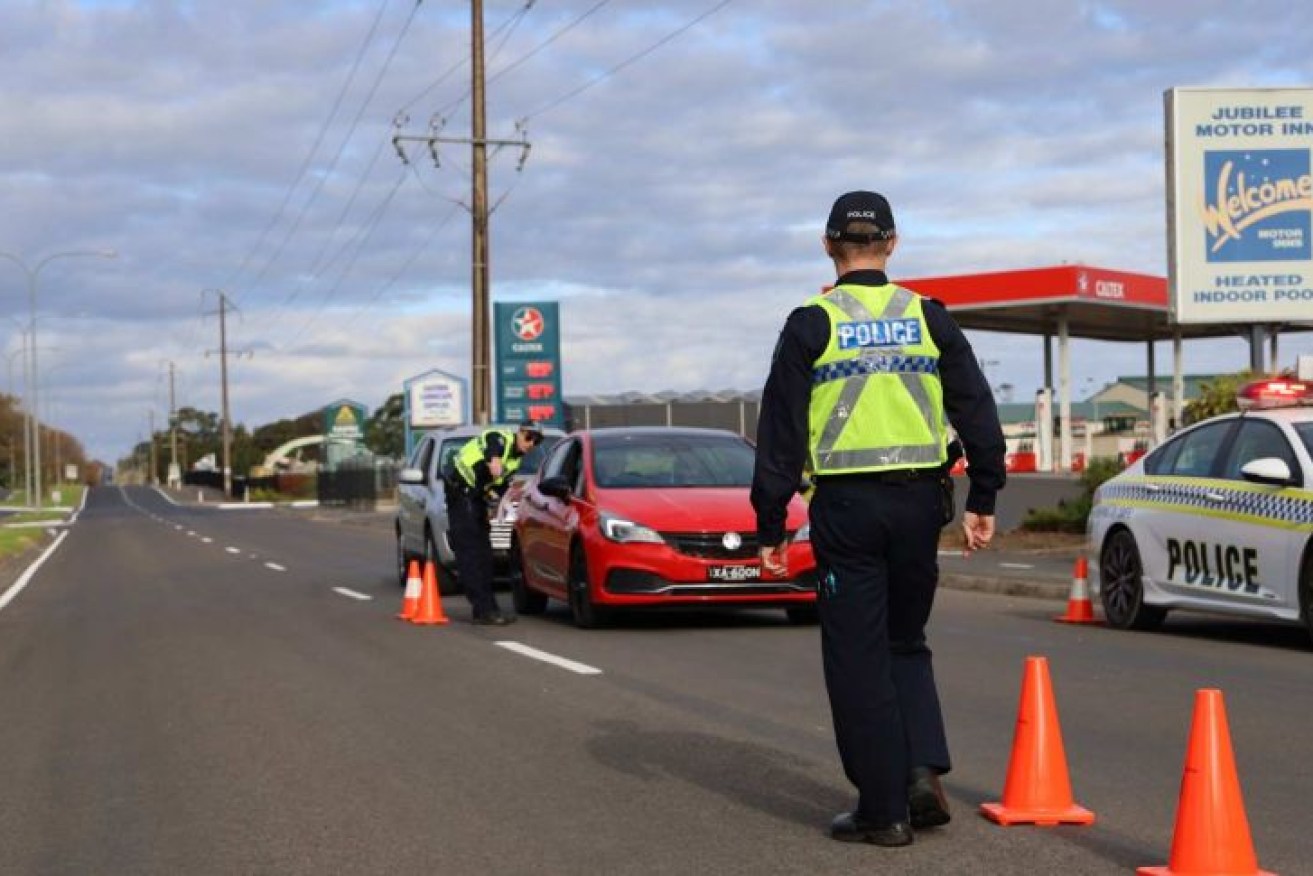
{"points": [[876, 400], [472, 454]]}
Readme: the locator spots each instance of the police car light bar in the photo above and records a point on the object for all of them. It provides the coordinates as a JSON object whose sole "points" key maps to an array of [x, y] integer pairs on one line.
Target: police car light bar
{"points": [[1274, 394]]}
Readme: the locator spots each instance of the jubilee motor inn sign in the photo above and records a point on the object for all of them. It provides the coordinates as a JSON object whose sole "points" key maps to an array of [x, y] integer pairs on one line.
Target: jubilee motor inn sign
{"points": [[1240, 202]]}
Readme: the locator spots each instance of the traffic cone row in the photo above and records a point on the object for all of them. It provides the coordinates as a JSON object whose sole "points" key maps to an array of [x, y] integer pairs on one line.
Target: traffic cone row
{"points": [[1211, 836], [422, 604], [1080, 610]]}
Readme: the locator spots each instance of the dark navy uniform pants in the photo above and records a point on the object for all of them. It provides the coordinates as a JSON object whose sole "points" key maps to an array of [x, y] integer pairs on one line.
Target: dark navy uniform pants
{"points": [[467, 516], [876, 544]]}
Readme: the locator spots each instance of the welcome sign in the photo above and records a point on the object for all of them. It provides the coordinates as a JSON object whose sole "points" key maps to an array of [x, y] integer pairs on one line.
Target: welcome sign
{"points": [[1240, 204]]}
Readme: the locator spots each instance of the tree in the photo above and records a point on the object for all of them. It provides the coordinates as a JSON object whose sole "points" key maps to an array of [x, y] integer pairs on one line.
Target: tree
{"points": [[385, 431], [1217, 396]]}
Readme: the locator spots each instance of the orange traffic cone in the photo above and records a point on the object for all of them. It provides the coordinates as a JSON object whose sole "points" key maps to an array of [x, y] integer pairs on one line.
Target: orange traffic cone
{"points": [[1212, 833], [414, 587], [1079, 608], [430, 604], [1038, 790]]}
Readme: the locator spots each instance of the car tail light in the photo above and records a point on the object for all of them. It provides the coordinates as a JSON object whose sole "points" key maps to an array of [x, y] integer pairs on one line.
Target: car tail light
{"points": [[1275, 393]]}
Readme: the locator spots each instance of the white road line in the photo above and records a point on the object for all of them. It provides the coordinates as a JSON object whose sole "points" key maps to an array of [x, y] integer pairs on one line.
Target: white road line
{"points": [[207, 540], [17, 587], [191, 533], [364, 597], [1016, 566], [233, 550], [275, 567], [581, 668]]}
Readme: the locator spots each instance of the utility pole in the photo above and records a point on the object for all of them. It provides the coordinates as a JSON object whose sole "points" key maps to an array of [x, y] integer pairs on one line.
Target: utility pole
{"points": [[175, 473], [226, 418], [154, 463], [481, 340]]}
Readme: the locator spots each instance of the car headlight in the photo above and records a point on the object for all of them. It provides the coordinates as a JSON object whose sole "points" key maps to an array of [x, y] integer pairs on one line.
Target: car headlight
{"points": [[626, 531], [804, 533]]}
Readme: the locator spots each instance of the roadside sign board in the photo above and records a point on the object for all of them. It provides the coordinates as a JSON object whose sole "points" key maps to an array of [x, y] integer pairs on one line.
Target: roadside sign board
{"points": [[529, 363], [1239, 204], [345, 420], [433, 400]]}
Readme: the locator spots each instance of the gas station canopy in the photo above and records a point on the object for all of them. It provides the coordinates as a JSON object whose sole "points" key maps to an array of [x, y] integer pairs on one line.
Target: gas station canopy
{"points": [[1098, 303], [1078, 301]]}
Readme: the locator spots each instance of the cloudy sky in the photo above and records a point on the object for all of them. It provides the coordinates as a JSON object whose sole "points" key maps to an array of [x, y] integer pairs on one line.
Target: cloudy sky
{"points": [[684, 155]]}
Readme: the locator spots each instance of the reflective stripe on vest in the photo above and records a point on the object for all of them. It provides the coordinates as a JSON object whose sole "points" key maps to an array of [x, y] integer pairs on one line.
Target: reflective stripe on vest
{"points": [[856, 370], [473, 452]]}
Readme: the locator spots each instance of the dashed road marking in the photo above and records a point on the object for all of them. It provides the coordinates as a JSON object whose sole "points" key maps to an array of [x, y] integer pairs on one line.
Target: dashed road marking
{"points": [[233, 550], [275, 567], [545, 657], [1016, 565], [351, 594]]}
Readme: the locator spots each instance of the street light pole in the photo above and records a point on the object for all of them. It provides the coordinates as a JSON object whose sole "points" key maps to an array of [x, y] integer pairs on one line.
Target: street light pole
{"points": [[27, 433], [33, 273]]}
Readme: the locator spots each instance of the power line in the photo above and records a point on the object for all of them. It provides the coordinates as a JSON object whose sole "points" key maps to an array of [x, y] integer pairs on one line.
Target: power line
{"points": [[451, 107], [319, 139], [323, 177], [628, 61], [511, 22]]}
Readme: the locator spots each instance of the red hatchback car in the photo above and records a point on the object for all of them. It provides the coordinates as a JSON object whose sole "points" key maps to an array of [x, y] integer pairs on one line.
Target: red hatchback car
{"points": [[639, 517]]}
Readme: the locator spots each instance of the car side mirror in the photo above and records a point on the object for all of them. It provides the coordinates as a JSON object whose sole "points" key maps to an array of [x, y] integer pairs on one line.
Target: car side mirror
{"points": [[1268, 470], [410, 476], [557, 487]]}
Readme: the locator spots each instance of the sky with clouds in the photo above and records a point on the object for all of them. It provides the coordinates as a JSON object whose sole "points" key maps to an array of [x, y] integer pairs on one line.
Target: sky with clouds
{"points": [[684, 156]]}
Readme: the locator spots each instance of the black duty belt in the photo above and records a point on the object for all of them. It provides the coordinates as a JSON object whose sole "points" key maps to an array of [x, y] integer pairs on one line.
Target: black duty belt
{"points": [[888, 476]]}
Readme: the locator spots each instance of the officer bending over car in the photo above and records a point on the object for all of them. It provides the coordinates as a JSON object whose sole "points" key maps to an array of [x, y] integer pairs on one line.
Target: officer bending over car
{"points": [[479, 474]]}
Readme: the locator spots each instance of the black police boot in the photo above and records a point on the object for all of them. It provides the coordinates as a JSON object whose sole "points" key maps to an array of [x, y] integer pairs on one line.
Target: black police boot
{"points": [[849, 827], [926, 800]]}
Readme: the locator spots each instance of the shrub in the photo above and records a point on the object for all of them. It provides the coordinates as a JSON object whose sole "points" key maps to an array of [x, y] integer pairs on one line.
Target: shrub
{"points": [[1071, 516]]}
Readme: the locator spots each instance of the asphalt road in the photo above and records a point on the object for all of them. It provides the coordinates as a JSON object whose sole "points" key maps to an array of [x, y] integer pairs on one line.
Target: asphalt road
{"points": [[188, 690]]}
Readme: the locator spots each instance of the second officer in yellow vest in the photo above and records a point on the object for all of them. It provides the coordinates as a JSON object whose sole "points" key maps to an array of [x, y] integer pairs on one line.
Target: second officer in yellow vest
{"points": [[864, 384], [480, 472]]}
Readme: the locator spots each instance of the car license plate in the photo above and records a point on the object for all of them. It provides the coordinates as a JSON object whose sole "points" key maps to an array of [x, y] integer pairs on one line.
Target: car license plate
{"points": [[734, 573]]}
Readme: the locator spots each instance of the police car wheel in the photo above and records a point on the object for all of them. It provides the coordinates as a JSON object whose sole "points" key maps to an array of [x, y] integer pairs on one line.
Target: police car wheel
{"points": [[1121, 586], [587, 615], [526, 601]]}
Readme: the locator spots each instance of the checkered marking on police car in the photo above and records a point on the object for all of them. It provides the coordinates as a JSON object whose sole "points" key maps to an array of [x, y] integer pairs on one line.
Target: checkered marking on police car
{"points": [[876, 365], [1287, 511]]}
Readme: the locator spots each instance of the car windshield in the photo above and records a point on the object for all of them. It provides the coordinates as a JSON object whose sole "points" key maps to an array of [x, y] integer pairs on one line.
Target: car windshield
{"points": [[1305, 433], [680, 460]]}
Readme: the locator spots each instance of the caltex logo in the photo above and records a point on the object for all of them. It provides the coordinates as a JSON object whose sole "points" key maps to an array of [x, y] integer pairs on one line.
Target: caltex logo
{"points": [[528, 323]]}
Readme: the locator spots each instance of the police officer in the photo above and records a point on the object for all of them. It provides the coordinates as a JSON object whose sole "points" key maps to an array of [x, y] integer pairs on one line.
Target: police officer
{"points": [[481, 471], [864, 383]]}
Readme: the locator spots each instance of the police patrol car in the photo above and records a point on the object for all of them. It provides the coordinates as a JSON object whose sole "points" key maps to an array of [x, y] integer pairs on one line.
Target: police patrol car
{"points": [[1218, 518]]}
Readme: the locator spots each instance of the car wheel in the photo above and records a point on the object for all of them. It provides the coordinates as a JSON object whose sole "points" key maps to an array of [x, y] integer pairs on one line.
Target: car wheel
{"points": [[803, 615], [1121, 585], [447, 584], [403, 562], [587, 615], [526, 601]]}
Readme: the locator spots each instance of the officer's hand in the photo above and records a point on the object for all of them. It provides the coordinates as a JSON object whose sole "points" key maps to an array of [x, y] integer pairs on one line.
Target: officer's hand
{"points": [[495, 467], [774, 559], [979, 529]]}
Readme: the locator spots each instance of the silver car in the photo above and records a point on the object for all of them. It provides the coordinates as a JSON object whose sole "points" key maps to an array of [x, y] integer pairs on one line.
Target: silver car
{"points": [[421, 521]]}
